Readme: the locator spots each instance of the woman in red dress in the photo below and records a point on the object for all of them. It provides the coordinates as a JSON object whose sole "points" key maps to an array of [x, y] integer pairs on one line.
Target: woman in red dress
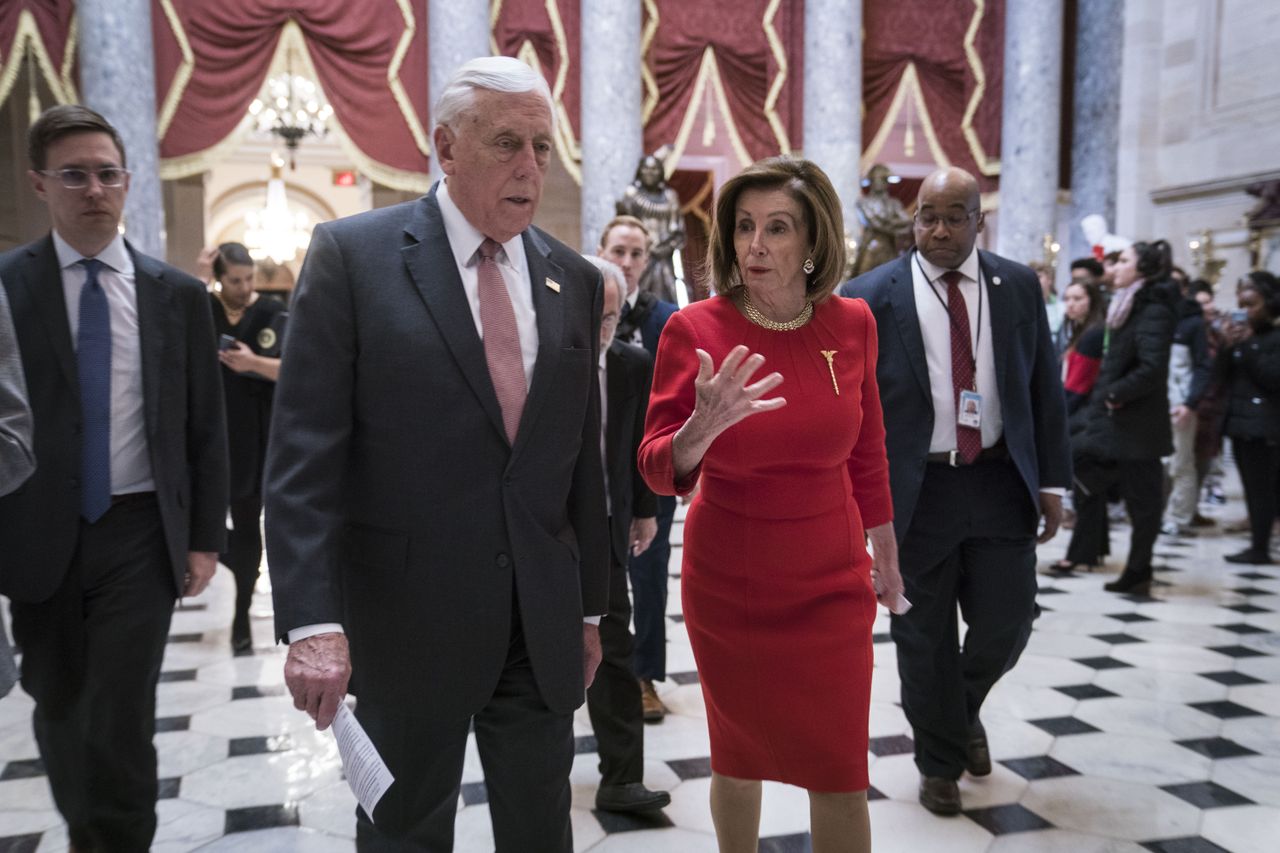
{"points": [[778, 587]]}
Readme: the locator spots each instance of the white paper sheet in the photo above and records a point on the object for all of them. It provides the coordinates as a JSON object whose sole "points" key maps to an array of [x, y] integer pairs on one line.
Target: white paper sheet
{"points": [[366, 772]]}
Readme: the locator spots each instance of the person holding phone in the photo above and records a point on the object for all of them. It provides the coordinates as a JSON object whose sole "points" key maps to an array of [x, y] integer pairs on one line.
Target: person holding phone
{"points": [[249, 326]]}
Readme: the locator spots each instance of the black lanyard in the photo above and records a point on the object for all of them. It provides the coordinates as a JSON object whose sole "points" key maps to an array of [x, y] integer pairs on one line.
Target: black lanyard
{"points": [[973, 355]]}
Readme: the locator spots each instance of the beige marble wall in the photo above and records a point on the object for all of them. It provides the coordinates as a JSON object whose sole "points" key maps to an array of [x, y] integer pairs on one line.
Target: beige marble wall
{"points": [[1199, 119]]}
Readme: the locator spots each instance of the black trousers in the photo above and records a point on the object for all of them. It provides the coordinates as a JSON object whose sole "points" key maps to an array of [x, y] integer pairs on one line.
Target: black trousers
{"points": [[613, 700], [971, 543], [1260, 475], [526, 750], [91, 660], [244, 550], [648, 573], [1141, 484]]}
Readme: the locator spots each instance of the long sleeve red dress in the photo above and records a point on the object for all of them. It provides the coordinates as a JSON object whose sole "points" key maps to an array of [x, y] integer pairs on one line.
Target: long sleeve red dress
{"points": [[776, 581]]}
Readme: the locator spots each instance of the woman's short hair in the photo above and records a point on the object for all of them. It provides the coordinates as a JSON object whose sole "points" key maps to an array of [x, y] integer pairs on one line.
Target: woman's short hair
{"points": [[819, 204], [229, 255], [495, 73], [1265, 283]]}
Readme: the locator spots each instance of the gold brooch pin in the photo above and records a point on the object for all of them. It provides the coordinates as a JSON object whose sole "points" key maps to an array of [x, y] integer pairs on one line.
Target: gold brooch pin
{"points": [[830, 356]]}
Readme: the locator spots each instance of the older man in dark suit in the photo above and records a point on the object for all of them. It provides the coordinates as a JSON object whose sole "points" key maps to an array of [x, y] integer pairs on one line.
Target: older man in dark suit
{"points": [[435, 497], [964, 349], [125, 511]]}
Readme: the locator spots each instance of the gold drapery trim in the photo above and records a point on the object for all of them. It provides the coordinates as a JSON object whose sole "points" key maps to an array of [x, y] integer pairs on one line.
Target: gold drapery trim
{"points": [[182, 76], [646, 74], [291, 36], [989, 166], [397, 87], [910, 82], [708, 75], [26, 37], [779, 79]]}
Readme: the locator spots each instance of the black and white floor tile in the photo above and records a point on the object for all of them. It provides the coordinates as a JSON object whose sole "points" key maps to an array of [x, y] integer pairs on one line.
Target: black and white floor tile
{"points": [[1131, 724]]}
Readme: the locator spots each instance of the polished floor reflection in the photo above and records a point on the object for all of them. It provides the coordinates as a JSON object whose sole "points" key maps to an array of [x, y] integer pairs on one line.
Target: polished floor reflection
{"points": [[1131, 724]]}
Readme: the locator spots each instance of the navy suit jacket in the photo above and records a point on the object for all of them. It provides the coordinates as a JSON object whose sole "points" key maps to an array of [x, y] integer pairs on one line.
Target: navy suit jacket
{"points": [[395, 503], [1027, 374], [654, 321], [183, 411], [630, 372]]}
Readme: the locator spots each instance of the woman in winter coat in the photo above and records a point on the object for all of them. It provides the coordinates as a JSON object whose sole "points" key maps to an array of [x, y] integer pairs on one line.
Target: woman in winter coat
{"points": [[1249, 368], [1126, 421]]}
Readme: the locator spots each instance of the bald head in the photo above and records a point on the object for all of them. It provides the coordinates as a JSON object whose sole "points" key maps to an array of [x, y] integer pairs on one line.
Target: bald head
{"points": [[948, 217]]}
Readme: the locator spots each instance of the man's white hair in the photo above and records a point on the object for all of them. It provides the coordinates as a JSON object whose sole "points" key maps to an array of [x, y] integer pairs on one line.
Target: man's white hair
{"points": [[610, 272], [495, 73]]}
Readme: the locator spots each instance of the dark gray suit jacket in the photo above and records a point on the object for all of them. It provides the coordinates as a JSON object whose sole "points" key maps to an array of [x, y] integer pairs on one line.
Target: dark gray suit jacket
{"points": [[186, 430], [395, 504], [1027, 374], [17, 459], [629, 375]]}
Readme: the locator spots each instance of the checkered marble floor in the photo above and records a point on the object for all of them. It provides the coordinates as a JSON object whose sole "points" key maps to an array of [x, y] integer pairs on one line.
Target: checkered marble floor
{"points": [[1131, 724]]}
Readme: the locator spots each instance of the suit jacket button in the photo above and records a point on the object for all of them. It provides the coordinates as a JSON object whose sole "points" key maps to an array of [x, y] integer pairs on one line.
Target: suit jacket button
{"points": [[503, 561], [74, 482]]}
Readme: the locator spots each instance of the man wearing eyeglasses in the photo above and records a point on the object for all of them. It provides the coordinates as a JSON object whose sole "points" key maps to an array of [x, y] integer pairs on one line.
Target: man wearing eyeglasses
{"points": [[965, 348], [125, 511]]}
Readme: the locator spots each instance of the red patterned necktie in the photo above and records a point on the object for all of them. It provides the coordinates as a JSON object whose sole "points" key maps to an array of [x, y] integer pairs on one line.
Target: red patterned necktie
{"points": [[968, 439], [501, 339]]}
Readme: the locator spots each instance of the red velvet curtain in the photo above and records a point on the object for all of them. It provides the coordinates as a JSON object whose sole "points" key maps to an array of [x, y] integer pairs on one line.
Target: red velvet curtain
{"points": [[554, 30], [48, 23], [932, 36], [352, 44], [746, 46]]}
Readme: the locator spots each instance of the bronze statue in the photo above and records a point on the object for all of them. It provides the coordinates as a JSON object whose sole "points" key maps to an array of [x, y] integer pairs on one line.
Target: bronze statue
{"points": [[650, 200], [885, 224]]}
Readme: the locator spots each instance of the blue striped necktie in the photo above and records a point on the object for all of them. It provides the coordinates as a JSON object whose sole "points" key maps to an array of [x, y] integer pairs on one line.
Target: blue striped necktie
{"points": [[93, 360]]}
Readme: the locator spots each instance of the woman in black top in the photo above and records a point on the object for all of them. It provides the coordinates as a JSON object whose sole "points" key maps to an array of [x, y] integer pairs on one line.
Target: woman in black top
{"points": [[1125, 429], [249, 326], [1249, 369]]}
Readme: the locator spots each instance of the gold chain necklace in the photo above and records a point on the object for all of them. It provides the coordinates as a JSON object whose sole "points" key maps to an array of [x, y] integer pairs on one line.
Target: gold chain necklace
{"points": [[754, 315]]}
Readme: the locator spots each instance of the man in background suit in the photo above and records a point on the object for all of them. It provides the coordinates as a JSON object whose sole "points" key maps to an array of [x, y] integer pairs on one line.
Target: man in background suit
{"points": [[614, 698], [125, 510], [434, 494], [964, 330], [625, 242]]}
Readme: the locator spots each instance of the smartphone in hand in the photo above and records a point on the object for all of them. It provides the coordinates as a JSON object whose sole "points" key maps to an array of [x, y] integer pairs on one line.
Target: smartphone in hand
{"points": [[226, 342]]}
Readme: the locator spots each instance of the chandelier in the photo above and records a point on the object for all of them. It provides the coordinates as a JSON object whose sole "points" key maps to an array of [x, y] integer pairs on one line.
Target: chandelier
{"points": [[291, 107], [275, 231]]}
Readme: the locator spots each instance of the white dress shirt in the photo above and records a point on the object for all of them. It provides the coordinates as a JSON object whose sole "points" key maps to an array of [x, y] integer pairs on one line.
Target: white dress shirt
{"points": [[634, 337], [130, 459]]}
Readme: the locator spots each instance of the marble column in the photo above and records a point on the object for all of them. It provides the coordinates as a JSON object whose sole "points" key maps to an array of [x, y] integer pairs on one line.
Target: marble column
{"points": [[1095, 132], [612, 138], [1030, 127], [118, 79], [833, 97], [456, 32]]}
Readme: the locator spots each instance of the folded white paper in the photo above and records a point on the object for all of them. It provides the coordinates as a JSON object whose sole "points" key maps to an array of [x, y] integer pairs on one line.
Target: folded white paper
{"points": [[366, 772]]}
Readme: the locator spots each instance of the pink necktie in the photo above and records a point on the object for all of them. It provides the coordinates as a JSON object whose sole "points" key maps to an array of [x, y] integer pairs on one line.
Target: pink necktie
{"points": [[501, 339], [968, 439]]}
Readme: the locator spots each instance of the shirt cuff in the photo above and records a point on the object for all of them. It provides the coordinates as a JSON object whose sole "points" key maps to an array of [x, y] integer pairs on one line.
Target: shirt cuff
{"points": [[591, 620], [1054, 490], [298, 634]]}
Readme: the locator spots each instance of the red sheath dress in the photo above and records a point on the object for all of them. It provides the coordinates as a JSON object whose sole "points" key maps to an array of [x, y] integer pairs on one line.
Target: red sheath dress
{"points": [[776, 581]]}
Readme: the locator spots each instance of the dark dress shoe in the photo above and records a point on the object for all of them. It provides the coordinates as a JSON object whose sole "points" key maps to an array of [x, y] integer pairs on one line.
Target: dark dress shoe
{"points": [[1249, 557], [241, 636], [978, 756], [940, 796], [630, 797], [1133, 583]]}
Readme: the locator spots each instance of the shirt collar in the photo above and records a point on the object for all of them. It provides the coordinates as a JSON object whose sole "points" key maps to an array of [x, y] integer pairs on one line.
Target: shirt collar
{"points": [[115, 255], [465, 238], [968, 267], [633, 296]]}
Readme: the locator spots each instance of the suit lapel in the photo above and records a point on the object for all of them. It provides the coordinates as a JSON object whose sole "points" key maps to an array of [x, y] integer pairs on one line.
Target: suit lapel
{"points": [[430, 263], [152, 296], [620, 391], [903, 300], [1001, 301], [550, 311], [43, 279]]}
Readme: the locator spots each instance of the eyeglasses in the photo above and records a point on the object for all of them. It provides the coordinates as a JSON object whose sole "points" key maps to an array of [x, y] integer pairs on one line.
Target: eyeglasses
{"points": [[77, 179], [929, 219]]}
